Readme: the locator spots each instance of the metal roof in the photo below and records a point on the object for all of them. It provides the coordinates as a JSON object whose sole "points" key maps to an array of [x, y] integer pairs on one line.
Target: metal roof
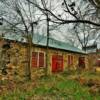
{"points": [[41, 40]]}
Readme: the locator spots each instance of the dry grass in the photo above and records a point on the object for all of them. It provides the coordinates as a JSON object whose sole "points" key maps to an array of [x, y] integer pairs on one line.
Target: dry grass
{"points": [[64, 86]]}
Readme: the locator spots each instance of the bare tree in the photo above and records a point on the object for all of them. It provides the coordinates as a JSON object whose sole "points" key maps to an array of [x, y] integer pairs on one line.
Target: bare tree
{"points": [[68, 10], [96, 3], [22, 18], [64, 12], [82, 33]]}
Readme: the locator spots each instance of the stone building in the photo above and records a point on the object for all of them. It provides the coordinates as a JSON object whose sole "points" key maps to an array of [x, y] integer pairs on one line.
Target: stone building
{"points": [[61, 56], [94, 58]]}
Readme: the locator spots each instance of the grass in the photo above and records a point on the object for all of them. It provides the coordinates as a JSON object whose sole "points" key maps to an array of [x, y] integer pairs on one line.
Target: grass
{"points": [[56, 87]]}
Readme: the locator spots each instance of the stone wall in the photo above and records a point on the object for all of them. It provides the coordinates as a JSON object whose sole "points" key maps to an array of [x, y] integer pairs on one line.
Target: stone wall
{"points": [[65, 54], [13, 59], [17, 60], [92, 59]]}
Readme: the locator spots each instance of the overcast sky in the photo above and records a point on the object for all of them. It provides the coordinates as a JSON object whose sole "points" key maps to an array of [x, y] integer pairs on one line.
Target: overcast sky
{"points": [[63, 32]]}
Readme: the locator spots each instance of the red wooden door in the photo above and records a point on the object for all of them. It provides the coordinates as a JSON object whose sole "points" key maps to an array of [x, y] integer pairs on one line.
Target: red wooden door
{"points": [[57, 63], [82, 62]]}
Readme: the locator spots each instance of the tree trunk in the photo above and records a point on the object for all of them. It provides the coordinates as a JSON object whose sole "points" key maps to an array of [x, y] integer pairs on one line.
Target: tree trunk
{"points": [[47, 47], [28, 66]]}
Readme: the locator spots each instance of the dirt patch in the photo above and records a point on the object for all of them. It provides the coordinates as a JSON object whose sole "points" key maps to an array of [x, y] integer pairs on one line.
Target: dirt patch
{"points": [[92, 84]]}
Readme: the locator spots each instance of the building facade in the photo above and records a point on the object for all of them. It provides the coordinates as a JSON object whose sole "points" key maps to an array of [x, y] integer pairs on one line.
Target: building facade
{"points": [[94, 58], [61, 57]]}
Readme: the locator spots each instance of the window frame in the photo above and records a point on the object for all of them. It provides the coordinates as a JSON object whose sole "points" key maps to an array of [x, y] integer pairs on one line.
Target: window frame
{"points": [[70, 59], [38, 52], [35, 59], [43, 59]]}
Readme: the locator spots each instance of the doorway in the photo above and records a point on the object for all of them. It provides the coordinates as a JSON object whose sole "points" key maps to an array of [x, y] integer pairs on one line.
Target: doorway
{"points": [[82, 62], [57, 63]]}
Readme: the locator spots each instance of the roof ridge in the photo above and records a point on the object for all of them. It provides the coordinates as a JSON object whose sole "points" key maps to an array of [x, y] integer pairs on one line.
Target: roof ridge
{"points": [[54, 43]]}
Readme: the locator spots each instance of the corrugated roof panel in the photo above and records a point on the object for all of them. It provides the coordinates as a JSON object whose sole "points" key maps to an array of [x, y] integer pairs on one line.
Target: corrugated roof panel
{"points": [[41, 40]]}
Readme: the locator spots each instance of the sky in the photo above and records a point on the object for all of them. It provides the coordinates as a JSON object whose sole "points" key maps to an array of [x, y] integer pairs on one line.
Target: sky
{"points": [[64, 34]]}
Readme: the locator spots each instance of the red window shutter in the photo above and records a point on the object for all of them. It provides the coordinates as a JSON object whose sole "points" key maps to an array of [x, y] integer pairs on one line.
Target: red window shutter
{"points": [[98, 62], [41, 59], [68, 59], [60, 63], [71, 60], [34, 59], [54, 63]]}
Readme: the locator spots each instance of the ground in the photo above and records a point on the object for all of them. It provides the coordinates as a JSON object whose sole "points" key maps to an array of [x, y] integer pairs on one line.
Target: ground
{"points": [[69, 85]]}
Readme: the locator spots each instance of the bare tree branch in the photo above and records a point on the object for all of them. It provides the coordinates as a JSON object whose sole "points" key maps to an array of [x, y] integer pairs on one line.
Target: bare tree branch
{"points": [[63, 21]]}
